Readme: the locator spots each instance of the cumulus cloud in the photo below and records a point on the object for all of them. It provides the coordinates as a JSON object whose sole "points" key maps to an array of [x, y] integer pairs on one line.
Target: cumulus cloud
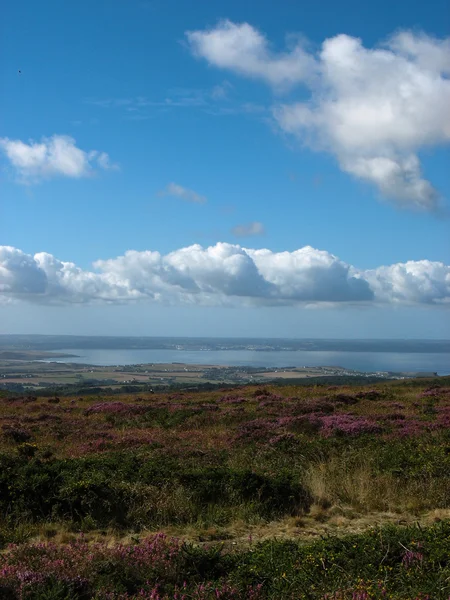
{"points": [[218, 275], [311, 275], [242, 48], [248, 229], [19, 273], [178, 191], [374, 109], [413, 282], [57, 156]]}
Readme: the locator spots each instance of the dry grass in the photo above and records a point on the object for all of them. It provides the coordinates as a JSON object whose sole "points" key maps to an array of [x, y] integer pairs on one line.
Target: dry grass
{"points": [[335, 481], [337, 520]]}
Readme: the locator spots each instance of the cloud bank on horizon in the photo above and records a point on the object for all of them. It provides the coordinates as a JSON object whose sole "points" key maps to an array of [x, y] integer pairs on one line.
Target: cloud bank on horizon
{"points": [[373, 109], [57, 156], [224, 274]]}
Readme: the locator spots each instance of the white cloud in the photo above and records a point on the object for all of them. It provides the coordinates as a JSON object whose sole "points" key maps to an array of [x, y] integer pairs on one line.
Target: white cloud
{"points": [[104, 162], [396, 177], [173, 189], [221, 274], [248, 229], [52, 157], [241, 48], [413, 282], [374, 109], [19, 273], [311, 275]]}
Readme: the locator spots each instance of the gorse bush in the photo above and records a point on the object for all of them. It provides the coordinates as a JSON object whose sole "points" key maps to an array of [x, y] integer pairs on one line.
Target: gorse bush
{"points": [[104, 489]]}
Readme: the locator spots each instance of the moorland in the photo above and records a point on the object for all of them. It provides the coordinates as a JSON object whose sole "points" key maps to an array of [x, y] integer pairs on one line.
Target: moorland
{"points": [[259, 491]]}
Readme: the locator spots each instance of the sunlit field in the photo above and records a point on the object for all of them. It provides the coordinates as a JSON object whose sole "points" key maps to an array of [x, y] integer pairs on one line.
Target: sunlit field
{"points": [[320, 492]]}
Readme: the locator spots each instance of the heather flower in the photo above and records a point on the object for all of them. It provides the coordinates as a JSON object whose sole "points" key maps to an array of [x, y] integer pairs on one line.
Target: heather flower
{"points": [[369, 395], [16, 434], [314, 405], [392, 417], [115, 408], [347, 424], [258, 429], [412, 559], [230, 399], [435, 392]]}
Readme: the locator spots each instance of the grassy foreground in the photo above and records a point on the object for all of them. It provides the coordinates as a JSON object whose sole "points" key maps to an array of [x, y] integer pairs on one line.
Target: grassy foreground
{"points": [[257, 492]]}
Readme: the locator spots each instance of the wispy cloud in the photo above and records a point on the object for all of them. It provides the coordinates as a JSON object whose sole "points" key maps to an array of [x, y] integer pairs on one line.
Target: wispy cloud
{"points": [[221, 91], [57, 156], [112, 102], [216, 101], [248, 229], [175, 98], [178, 191]]}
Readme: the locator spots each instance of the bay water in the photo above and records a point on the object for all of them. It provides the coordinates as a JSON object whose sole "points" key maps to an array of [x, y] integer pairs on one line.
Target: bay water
{"points": [[358, 361]]}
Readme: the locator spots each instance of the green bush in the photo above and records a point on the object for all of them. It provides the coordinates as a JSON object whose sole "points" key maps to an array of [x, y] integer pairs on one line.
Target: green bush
{"points": [[99, 490]]}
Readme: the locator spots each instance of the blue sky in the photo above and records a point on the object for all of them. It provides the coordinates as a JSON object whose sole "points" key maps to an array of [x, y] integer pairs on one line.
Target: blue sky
{"points": [[274, 145]]}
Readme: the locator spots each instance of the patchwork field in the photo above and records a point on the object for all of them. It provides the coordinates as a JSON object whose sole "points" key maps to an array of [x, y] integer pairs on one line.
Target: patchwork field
{"points": [[296, 492], [29, 372]]}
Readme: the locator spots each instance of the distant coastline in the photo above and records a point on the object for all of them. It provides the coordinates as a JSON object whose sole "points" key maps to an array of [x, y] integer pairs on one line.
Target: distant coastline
{"points": [[26, 355], [51, 343]]}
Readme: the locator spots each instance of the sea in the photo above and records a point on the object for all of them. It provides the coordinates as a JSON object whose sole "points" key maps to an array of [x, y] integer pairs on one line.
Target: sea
{"points": [[358, 361]]}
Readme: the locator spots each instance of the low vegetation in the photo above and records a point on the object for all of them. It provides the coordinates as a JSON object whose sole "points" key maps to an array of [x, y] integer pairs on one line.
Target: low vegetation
{"points": [[315, 492]]}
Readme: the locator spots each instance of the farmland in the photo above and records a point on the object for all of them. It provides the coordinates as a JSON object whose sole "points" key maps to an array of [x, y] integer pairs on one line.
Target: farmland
{"points": [[259, 491], [34, 375]]}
